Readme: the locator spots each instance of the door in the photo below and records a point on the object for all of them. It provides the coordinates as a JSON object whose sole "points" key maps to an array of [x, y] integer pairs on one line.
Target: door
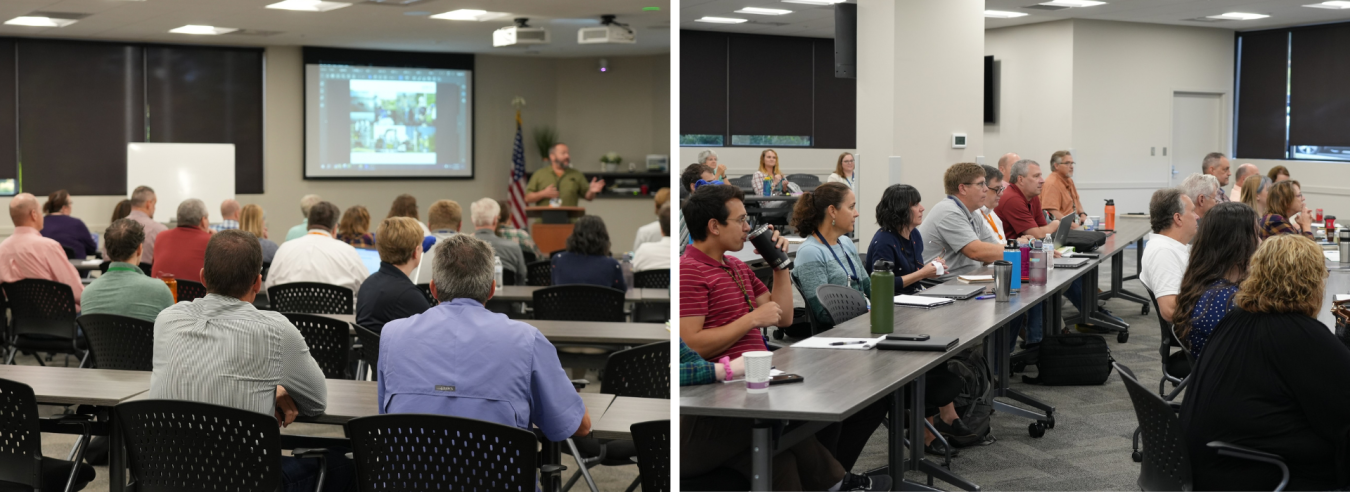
{"points": [[1197, 129]]}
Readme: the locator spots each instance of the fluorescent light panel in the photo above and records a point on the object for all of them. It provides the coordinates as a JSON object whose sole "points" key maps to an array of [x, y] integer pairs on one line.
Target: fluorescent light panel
{"points": [[1002, 14], [1334, 5], [39, 21], [203, 30], [721, 20], [1073, 3], [1238, 16], [308, 5], [815, 2], [760, 11], [470, 15]]}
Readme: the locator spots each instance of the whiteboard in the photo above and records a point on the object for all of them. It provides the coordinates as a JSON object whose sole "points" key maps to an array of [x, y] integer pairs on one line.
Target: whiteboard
{"points": [[179, 171]]}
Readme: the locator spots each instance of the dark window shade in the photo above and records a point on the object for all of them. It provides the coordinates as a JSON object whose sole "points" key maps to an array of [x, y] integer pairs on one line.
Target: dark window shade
{"points": [[209, 95], [1262, 62], [703, 83], [836, 99], [1319, 104], [770, 85], [9, 167], [80, 104]]}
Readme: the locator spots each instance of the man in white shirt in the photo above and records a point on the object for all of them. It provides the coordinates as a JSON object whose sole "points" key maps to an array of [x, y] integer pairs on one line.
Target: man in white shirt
{"points": [[652, 232], [317, 256], [444, 219], [1243, 172], [655, 255], [1203, 190], [994, 179], [1172, 216]]}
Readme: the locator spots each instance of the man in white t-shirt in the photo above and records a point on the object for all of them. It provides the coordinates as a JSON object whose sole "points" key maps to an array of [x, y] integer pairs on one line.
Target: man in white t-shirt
{"points": [[655, 255], [1172, 216], [651, 233]]}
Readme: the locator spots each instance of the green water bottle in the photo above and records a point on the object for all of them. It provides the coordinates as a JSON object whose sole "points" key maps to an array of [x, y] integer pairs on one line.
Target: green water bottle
{"points": [[883, 298]]}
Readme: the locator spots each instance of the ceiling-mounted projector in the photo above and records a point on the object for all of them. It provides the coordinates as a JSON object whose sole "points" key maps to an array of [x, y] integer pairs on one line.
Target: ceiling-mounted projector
{"points": [[520, 34], [608, 32]]}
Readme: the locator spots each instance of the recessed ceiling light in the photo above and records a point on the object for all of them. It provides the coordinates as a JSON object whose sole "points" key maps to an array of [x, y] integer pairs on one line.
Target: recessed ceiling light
{"points": [[308, 5], [1073, 3], [815, 2], [38, 21], [760, 11], [470, 15], [721, 20], [1238, 16], [1336, 5], [1001, 14], [203, 30]]}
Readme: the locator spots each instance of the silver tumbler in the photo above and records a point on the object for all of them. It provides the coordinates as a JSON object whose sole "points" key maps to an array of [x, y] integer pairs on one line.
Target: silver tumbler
{"points": [[1344, 245], [1002, 281]]}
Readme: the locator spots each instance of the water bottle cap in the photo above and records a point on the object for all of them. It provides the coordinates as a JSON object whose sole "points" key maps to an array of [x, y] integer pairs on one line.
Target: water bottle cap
{"points": [[1110, 202], [882, 266]]}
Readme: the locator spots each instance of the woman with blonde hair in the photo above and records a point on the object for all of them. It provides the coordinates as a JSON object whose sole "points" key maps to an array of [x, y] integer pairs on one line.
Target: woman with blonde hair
{"points": [[1273, 379], [1287, 211], [844, 171], [769, 180], [253, 221], [1254, 192], [354, 228]]}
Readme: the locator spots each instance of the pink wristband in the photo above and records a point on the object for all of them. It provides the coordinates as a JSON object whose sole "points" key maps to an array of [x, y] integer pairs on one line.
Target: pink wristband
{"points": [[726, 366]]}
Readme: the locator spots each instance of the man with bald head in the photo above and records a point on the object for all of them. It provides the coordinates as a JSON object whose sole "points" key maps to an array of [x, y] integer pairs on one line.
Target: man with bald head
{"points": [[229, 216], [1243, 172], [26, 254], [1005, 165]]}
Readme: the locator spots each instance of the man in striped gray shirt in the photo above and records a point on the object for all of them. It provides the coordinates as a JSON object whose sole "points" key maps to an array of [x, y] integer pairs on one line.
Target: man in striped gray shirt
{"points": [[221, 350]]}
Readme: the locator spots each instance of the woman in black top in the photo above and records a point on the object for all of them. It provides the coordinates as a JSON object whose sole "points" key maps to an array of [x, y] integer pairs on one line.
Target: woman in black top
{"points": [[899, 214], [1274, 379]]}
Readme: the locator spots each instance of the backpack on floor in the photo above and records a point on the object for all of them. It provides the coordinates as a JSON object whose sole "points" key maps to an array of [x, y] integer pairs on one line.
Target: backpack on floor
{"points": [[975, 404], [1076, 359]]}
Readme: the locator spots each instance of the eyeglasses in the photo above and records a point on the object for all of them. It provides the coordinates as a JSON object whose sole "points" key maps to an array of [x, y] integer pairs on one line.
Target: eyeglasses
{"points": [[981, 184], [998, 191], [743, 220]]}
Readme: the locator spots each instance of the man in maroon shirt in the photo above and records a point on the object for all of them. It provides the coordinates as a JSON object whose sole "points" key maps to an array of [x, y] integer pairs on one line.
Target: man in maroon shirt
{"points": [[181, 251], [1020, 205]]}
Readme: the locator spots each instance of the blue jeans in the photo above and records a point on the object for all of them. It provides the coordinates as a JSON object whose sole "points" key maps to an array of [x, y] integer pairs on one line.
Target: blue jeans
{"points": [[1035, 325], [301, 474], [1075, 294]]}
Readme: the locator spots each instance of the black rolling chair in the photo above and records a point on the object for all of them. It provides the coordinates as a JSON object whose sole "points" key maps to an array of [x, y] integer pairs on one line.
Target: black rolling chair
{"points": [[185, 445], [190, 291], [742, 182], [579, 303], [70, 253], [540, 273], [370, 349], [651, 312], [807, 182], [841, 302], [310, 298], [42, 318], [147, 268], [329, 340], [1167, 465], [1176, 367], [103, 267], [267, 265], [22, 465], [426, 291], [639, 372], [653, 454], [437, 452], [799, 330], [508, 277], [652, 279], [119, 342]]}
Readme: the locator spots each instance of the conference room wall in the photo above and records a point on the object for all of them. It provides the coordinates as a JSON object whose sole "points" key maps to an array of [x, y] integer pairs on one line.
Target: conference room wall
{"points": [[1326, 184], [741, 161], [1034, 90]]}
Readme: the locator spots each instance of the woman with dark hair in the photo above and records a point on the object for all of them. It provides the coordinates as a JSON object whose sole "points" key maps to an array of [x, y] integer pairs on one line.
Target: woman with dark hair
{"points": [[406, 206], [1278, 173], [843, 171], [121, 210], [586, 259], [1287, 211], [69, 231], [354, 228], [1218, 263], [899, 214]]}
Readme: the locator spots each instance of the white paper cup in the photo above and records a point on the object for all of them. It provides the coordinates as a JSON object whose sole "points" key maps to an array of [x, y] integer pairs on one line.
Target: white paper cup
{"points": [[757, 367]]}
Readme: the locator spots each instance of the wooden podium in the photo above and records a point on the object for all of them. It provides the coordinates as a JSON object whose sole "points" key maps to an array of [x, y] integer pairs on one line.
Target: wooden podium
{"points": [[555, 224]]}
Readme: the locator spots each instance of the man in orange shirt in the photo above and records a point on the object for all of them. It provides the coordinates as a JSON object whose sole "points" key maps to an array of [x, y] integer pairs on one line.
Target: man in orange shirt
{"points": [[1060, 196], [181, 251]]}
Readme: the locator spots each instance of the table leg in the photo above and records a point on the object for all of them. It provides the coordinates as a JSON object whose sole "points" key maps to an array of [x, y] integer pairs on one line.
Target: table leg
{"points": [[1094, 316], [1118, 280], [1000, 360], [1138, 257], [896, 431], [761, 455], [117, 465], [916, 461]]}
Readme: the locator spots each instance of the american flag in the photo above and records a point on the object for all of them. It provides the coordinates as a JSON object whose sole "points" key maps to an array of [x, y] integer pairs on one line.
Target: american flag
{"points": [[515, 190]]}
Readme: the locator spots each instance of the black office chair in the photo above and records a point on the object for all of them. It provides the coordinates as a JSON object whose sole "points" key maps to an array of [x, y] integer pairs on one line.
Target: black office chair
{"points": [[119, 342], [540, 273], [186, 445], [651, 312], [1167, 465], [370, 349], [267, 265], [652, 279], [579, 302], [508, 277], [103, 267], [1176, 367], [638, 372], [310, 298], [147, 268], [329, 340], [426, 291], [437, 452], [530, 257], [42, 319], [800, 330], [70, 253], [806, 182], [190, 291], [842, 303], [742, 182], [22, 465], [653, 454]]}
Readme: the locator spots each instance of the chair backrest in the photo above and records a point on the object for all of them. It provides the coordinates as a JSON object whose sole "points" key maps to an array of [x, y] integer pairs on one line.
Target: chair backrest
{"points": [[652, 279], [639, 372], [579, 302], [529, 255], [329, 340], [1167, 462], [652, 440], [540, 273], [806, 181], [816, 325], [651, 312], [1169, 340], [70, 253], [103, 267], [184, 445], [310, 298], [119, 342], [190, 291], [841, 302], [370, 346], [20, 436], [426, 291], [267, 265], [508, 277], [41, 307], [147, 267], [741, 182], [437, 452]]}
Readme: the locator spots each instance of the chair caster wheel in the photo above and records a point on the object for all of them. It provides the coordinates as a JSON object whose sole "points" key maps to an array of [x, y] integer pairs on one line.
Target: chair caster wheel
{"points": [[1123, 336], [1037, 430], [1049, 421], [778, 334], [1137, 456], [1144, 310], [1018, 367]]}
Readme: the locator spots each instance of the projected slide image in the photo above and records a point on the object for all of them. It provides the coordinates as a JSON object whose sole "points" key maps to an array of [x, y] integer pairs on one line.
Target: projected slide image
{"points": [[393, 122]]}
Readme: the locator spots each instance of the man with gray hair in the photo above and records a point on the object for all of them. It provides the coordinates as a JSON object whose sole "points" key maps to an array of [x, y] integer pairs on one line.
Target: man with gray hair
{"points": [[229, 215], [143, 202], [26, 254], [1173, 220], [317, 256], [1216, 164], [1020, 205], [462, 360], [1243, 172], [182, 250], [485, 214], [1203, 190], [305, 204]]}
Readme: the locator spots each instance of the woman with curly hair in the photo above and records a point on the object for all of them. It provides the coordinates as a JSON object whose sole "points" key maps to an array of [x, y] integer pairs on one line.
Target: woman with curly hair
{"points": [[586, 259]]}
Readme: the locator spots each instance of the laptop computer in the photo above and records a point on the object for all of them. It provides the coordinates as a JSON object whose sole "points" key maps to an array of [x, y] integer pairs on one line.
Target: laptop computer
{"points": [[953, 290], [1059, 237]]}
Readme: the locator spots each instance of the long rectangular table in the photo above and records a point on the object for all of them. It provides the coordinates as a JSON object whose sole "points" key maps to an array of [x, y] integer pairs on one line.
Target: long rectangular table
{"points": [[599, 332], [525, 293], [626, 411]]}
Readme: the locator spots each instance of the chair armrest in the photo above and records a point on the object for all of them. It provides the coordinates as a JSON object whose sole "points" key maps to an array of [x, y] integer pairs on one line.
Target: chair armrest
{"points": [[1176, 407], [1246, 453], [552, 469]]}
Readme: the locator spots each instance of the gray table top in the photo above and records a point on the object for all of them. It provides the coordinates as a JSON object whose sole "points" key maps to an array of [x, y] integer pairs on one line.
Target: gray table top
{"points": [[86, 265], [525, 293], [580, 331], [354, 399], [74, 386], [626, 411]]}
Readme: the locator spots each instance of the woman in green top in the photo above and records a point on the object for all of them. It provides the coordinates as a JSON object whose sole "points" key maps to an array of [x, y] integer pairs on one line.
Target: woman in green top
{"points": [[822, 216]]}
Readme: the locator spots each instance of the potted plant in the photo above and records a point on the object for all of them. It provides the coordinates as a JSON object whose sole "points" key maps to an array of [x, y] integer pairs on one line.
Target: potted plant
{"points": [[544, 138], [611, 162]]}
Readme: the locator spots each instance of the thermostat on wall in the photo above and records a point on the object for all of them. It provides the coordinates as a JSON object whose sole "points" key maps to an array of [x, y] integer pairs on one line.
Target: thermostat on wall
{"points": [[958, 140]]}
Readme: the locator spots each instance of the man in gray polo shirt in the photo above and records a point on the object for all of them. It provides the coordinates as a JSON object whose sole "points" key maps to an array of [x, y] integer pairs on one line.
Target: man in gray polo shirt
{"points": [[952, 229]]}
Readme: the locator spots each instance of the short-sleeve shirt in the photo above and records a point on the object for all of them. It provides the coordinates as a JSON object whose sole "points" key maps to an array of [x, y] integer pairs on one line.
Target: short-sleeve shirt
{"points": [[1019, 213], [387, 295], [1213, 305], [1061, 195], [950, 227], [182, 253], [125, 290], [152, 230], [1163, 265], [906, 256], [571, 185], [718, 292]]}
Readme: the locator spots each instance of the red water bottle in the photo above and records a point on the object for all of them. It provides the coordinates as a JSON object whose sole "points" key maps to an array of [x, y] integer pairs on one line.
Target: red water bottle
{"points": [[1110, 215]]}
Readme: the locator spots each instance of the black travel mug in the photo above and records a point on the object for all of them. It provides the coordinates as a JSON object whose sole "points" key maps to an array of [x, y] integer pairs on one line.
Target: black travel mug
{"points": [[762, 238]]}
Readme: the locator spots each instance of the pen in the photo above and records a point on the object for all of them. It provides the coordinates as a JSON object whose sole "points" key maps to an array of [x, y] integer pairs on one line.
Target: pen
{"points": [[983, 297], [847, 343]]}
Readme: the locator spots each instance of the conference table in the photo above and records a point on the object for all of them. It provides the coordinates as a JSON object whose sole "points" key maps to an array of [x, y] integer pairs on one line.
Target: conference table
{"points": [[525, 293], [599, 332], [839, 383]]}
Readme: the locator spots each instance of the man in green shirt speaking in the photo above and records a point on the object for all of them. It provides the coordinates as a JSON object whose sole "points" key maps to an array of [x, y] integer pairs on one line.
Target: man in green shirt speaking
{"points": [[560, 181], [125, 290]]}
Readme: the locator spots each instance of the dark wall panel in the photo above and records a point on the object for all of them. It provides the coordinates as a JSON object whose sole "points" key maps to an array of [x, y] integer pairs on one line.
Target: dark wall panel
{"points": [[1262, 62], [1319, 105], [209, 95], [80, 104], [9, 166], [770, 80], [703, 83], [836, 102]]}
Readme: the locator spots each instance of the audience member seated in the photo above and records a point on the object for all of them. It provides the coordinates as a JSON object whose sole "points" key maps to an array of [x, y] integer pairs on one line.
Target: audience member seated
{"points": [[497, 369], [182, 250], [389, 293], [405, 205], [1287, 211], [354, 228], [954, 228], [444, 218], [708, 443], [506, 230], [143, 202], [1255, 192], [317, 256], [1203, 190], [822, 216], [1031, 326], [898, 240], [69, 231], [1216, 164], [484, 214], [1059, 196], [843, 172], [1020, 209], [586, 259], [1240, 176], [1278, 173], [221, 350], [1273, 378], [252, 220], [121, 210], [1218, 263], [125, 290], [769, 180], [306, 203], [655, 255], [26, 254], [1005, 163], [229, 216], [651, 232], [1172, 218], [708, 159]]}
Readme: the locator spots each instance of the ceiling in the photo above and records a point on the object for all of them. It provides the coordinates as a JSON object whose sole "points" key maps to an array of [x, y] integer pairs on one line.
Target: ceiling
{"points": [[818, 21], [364, 26]]}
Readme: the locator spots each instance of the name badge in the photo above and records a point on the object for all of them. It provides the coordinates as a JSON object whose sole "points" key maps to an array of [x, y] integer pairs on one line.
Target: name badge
{"points": [[441, 387]]}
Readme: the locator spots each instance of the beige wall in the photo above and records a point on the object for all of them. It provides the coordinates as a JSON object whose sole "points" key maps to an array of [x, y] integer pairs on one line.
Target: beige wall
{"points": [[1034, 113], [741, 161]]}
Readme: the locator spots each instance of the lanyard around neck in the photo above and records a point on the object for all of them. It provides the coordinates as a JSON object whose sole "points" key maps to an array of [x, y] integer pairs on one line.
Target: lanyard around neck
{"points": [[854, 276]]}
